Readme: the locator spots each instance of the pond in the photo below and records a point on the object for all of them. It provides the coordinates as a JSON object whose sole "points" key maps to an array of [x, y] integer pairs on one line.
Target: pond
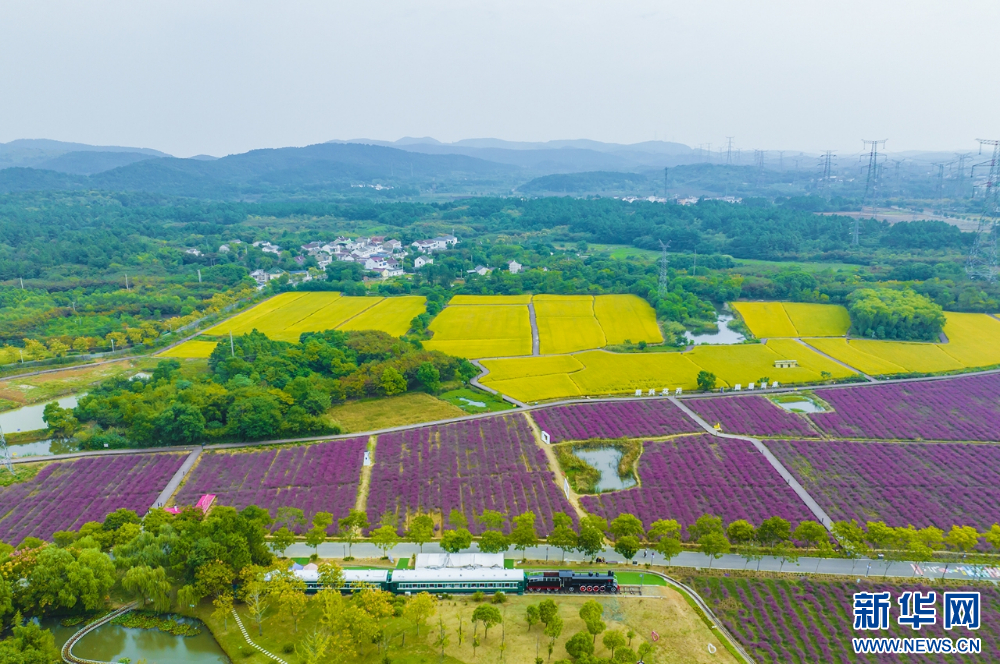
{"points": [[725, 335], [606, 460], [802, 405], [46, 447], [110, 643], [29, 418]]}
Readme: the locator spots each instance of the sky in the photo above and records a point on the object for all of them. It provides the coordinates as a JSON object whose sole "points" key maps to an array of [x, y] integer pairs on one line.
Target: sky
{"points": [[222, 77]]}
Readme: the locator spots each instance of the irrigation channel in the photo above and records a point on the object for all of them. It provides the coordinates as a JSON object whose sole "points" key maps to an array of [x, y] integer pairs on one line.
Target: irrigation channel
{"points": [[101, 642]]}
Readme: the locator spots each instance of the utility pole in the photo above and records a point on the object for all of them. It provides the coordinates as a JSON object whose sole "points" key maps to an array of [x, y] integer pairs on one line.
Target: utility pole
{"points": [[232, 347], [664, 284], [982, 261], [126, 281], [871, 186], [22, 282], [199, 276]]}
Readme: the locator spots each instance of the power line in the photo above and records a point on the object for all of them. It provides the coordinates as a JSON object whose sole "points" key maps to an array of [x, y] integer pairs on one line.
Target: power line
{"points": [[827, 161], [982, 261], [871, 186]]}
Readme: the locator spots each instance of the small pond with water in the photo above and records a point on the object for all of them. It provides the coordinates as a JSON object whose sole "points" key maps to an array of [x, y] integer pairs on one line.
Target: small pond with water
{"points": [[110, 643], [724, 336], [606, 460]]}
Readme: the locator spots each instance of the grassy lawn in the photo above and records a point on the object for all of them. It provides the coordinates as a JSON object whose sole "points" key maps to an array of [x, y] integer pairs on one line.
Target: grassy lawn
{"points": [[16, 392], [380, 413], [683, 635], [490, 402]]}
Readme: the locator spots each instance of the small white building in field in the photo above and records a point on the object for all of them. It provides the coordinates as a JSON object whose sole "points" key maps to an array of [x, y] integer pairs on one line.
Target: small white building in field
{"points": [[514, 267]]}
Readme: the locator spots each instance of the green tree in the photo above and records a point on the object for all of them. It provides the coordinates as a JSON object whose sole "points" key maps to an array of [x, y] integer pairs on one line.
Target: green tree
{"points": [[628, 546], [290, 593], [384, 538], [563, 538], [188, 596], [316, 535], [579, 646], [489, 615], [553, 628], [119, 518], [180, 424], [668, 547], [454, 541], [811, 533], [223, 608], [429, 376], [255, 417], [774, 531], [714, 544], [547, 610], [351, 527], [612, 640], [626, 524], [148, 584], [591, 613], [392, 382], [281, 539], [255, 592], [493, 541], [703, 525], [420, 608], [28, 644], [492, 519], [590, 540], [992, 536], [664, 528], [523, 534], [314, 647], [531, 615], [421, 530], [60, 421], [706, 381], [457, 520], [741, 532], [962, 538]]}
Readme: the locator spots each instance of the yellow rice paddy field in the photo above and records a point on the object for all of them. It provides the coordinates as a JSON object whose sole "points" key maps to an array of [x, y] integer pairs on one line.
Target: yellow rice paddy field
{"points": [[286, 316], [599, 372], [566, 324], [627, 318], [481, 330], [768, 320], [194, 349]]}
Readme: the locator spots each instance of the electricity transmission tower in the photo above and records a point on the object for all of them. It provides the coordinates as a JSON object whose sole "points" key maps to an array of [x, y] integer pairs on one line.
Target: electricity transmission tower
{"points": [[982, 262], [664, 284], [827, 161], [729, 150], [758, 161], [871, 185], [960, 159]]}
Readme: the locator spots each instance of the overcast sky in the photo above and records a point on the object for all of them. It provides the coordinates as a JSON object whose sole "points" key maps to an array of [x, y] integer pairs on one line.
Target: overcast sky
{"points": [[190, 77]]}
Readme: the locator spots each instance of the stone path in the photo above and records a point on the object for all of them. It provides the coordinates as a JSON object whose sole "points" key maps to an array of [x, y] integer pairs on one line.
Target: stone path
{"points": [[246, 636]]}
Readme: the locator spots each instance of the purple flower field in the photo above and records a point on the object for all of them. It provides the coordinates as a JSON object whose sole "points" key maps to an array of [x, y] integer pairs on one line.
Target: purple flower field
{"points": [[751, 415], [491, 463], [924, 484], [315, 478], [966, 408], [66, 494], [782, 621], [690, 476], [614, 419]]}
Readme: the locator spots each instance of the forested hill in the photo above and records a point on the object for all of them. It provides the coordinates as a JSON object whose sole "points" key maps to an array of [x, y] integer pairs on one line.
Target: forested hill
{"points": [[283, 171]]}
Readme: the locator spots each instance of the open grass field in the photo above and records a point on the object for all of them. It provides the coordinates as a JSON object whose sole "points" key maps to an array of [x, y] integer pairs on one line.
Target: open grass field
{"points": [[285, 317], [766, 319], [382, 413], [627, 318], [392, 315], [683, 636], [481, 331], [193, 349], [818, 320], [16, 392]]}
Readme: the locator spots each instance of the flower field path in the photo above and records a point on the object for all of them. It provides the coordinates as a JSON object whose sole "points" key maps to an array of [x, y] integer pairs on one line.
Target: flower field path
{"points": [[364, 485], [534, 329], [572, 496], [799, 490], [176, 480]]}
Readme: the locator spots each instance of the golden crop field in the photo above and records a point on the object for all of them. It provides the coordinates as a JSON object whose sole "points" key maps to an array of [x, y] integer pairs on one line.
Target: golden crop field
{"points": [[481, 331], [850, 355], [973, 339], [566, 323], [392, 315], [193, 349], [328, 317], [617, 373], [490, 299], [818, 320], [766, 319], [627, 318], [306, 314], [747, 363], [244, 322], [911, 355], [526, 367], [537, 388]]}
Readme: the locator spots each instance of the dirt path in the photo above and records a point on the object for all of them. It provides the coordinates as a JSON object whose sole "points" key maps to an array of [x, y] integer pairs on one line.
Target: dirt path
{"points": [[534, 329], [833, 359], [550, 455], [361, 503]]}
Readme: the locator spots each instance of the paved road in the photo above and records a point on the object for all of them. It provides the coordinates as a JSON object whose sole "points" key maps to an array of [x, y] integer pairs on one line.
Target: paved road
{"points": [[859, 568]]}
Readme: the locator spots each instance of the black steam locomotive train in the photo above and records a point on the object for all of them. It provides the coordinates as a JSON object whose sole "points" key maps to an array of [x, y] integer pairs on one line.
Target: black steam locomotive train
{"points": [[565, 581]]}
